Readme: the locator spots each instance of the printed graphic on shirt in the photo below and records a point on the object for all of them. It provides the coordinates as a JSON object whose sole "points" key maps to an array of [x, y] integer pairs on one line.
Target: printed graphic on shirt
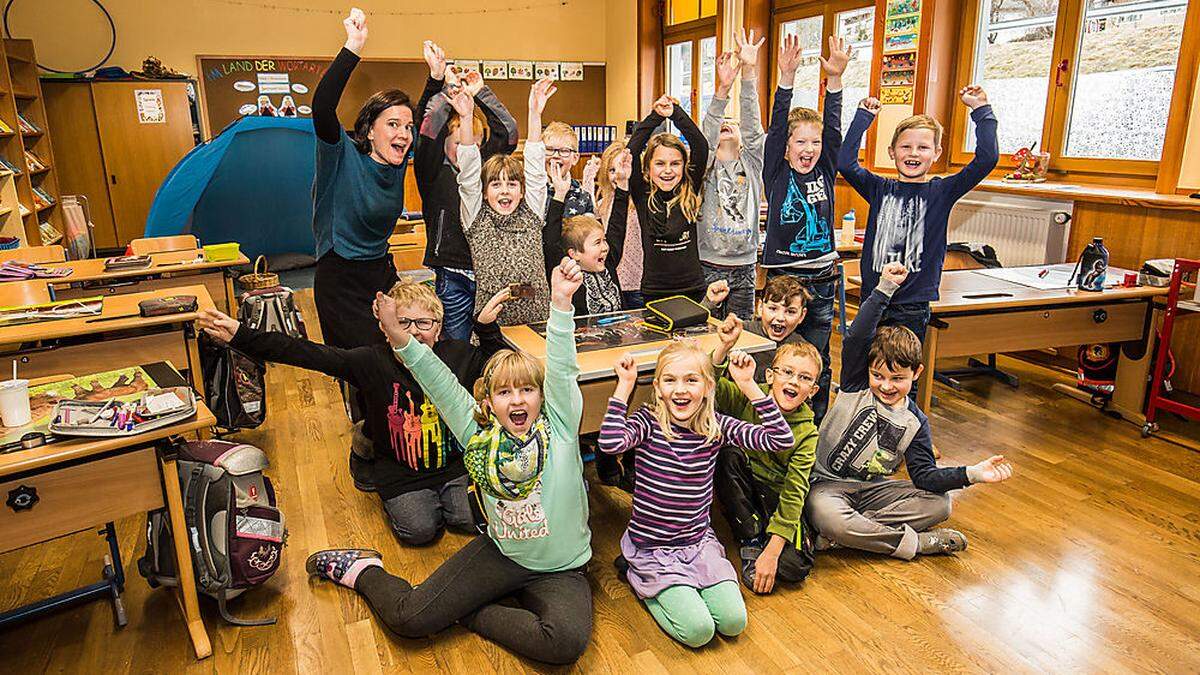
{"points": [[520, 520], [815, 234], [731, 188], [899, 232], [868, 447], [418, 438]]}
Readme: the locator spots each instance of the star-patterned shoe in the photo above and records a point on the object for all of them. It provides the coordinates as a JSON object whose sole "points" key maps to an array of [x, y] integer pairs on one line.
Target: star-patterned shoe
{"points": [[342, 565]]}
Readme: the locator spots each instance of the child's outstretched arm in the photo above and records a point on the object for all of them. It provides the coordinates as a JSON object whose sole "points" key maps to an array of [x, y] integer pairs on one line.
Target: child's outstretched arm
{"points": [[470, 187], [710, 123], [864, 182], [774, 434], [857, 342], [775, 152], [753, 135], [279, 348], [502, 126], [436, 59], [697, 146], [552, 248], [535, 150], [619, 433], [563, 398], [490, 338], [618, 216], [840, 53], [987, 146]]}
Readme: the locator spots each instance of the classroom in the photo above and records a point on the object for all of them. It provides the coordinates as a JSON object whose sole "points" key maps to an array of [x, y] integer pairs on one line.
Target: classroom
{"points": [[603, 336]]}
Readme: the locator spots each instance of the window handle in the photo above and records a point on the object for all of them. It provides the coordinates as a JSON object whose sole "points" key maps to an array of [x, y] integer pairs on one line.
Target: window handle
{"points": [[1059, 71]]}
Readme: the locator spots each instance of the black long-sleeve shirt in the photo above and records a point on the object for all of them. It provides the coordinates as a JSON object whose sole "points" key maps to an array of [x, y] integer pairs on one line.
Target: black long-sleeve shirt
{"points": [[414, 450]]}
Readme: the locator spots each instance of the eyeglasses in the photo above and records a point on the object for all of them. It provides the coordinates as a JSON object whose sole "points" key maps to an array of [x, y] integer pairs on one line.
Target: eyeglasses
{"points": [[559, 152], [789, 374], [421, 324]]}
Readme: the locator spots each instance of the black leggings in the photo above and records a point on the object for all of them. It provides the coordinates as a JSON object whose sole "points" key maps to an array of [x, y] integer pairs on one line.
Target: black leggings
{"points": [[545, 616]]}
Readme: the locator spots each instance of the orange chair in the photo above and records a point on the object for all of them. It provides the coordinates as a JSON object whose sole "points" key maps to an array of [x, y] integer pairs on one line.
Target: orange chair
{"points": [[35, 254], [177, 242]]}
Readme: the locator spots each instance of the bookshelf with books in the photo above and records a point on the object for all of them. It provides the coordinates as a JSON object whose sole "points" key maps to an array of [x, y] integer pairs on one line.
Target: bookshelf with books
{"points": [[26, 154]]}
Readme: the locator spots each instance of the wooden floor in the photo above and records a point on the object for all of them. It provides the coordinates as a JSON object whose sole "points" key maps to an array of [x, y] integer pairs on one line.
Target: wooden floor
{"points": [[1087, 560]]}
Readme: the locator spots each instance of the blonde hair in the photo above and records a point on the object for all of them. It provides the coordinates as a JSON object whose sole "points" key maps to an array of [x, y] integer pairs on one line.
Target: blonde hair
{"points": [[704, 421], [478, 127], [919, 122], [799, 350], [577, 229], [799, 116], [686, 197], [502, 167], [606, 187], [505, 368], [561, 130], [408, 292]]}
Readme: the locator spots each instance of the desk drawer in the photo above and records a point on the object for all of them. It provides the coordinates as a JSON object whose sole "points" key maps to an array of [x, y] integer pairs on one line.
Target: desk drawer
{"points": [[110, 353], [77, 497], [1037, 329]]}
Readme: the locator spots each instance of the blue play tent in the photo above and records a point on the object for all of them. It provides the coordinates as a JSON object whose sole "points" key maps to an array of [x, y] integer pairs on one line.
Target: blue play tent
{"points": [[251, 184]]}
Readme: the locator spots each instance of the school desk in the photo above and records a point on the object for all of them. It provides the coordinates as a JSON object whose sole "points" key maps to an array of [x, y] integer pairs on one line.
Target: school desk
{"points": [[73, 485], [407, 244], [979, 314], [597, 377], [167, 270], [117, 337]]}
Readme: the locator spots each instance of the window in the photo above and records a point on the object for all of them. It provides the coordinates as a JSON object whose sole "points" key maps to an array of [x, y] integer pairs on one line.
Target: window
{"points": [[857, 27], [1124, 74], [708, 73], [679, 73], [806, 90], [682, 11]]}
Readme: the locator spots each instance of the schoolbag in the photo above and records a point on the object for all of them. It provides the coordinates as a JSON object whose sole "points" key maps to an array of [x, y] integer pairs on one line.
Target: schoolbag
{"points": [[272, 309], [235, 530], [234, 385]]}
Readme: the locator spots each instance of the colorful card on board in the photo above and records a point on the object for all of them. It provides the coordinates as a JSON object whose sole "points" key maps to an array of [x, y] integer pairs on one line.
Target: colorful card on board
{"points": [[520, 70]]}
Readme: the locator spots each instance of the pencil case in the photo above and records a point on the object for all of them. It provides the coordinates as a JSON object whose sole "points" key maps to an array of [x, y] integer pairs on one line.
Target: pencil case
{"points": [[126, 262], [174, 304], [675, 313], [222, 252]]}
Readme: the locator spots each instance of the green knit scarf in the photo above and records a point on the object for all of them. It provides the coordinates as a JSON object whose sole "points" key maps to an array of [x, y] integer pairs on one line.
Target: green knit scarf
{"points": [[507, 466]]}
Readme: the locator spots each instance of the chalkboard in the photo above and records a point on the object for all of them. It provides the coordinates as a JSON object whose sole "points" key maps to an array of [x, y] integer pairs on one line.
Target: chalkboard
{"points": [[232, 86]]}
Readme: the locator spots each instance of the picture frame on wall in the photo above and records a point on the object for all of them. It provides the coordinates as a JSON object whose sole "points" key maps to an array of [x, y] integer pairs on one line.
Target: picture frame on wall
{"points": [[495, 70], [546, 69], [570, 72], [520, 70]]}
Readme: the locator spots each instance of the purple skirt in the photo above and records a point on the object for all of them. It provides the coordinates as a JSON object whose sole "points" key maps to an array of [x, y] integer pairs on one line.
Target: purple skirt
{"points": [[699, 565]]}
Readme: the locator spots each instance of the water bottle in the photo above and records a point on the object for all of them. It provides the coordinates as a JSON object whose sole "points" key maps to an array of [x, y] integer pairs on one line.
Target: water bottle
{"points": [[848, 228], [1092, 266]]}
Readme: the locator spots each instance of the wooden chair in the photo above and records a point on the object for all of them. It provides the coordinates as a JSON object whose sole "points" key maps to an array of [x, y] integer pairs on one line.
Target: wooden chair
{"points": [[177, 242], [28, 292], [35, 254]]}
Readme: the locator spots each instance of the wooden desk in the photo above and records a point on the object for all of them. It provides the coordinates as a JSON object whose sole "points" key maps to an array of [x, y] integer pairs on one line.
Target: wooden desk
{"points": [[82, 483], [120, 338], [408, 247], [978, 314], [164, 272], [597, 378]]}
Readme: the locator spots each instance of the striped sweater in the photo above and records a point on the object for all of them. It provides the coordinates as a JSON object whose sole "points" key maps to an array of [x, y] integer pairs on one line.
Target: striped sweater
{"points": [[673, 486]]}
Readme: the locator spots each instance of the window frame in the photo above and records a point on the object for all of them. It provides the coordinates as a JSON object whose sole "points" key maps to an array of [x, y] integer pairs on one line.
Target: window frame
{"points": [[1068, 34], [694, 32]]}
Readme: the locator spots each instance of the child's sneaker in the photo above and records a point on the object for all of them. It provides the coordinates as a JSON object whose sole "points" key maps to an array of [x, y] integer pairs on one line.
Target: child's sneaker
{"points": [[342, 565], [749, 556], [939, 541]]}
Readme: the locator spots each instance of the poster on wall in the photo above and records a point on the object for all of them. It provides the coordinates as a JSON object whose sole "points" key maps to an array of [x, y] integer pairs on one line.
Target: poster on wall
{"points": [[150, 106], [267, 87], [520, 70], [495, 70], [546, 69], [463, 66], [571, 72], [895, 95]]}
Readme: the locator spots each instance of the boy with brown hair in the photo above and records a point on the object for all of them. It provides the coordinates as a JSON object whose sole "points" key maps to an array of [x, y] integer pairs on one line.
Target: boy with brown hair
{"points": [[781, 312], [869, 429]]}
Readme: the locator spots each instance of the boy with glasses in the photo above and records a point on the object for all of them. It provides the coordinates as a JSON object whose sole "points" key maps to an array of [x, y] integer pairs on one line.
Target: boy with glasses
{"points": [[412, 459], [562, 149]]}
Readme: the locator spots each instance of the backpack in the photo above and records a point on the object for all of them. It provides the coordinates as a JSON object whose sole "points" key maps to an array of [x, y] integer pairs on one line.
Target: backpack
{"points": [[272, 309], [236, 531], [234, 385]]}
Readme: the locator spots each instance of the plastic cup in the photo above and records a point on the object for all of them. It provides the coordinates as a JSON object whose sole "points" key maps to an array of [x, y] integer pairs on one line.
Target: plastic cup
{"points": [[14, 402]]}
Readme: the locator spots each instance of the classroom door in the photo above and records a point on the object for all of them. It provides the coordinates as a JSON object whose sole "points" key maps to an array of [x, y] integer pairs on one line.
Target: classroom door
{"points": [[141, 145]]}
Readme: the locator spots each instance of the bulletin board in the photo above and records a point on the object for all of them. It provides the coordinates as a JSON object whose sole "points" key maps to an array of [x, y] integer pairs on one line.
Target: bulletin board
{"points": [[231, 86]]}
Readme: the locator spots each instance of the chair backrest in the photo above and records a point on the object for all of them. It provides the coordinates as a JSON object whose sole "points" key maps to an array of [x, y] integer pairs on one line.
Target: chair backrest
{"points": [[961, 260], [35, 254], [176, 242], [28, 292]]}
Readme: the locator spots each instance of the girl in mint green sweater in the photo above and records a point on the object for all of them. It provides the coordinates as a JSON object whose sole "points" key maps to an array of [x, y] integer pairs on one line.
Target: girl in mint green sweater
{"points": [[520, 431]]}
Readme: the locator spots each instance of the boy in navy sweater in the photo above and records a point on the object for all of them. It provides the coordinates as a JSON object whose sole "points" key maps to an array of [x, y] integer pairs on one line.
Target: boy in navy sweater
{"points": [[910, 213]]}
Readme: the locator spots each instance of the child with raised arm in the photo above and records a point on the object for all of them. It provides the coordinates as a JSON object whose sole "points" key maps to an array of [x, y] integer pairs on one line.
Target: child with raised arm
{"points": [[870, 429], [910, 213], [676, 564], [665, 188], [502, 204], [562, 151], [417, 467], [629, 271], [524, 586], [800, 168], [733, 186], [780, 312]]}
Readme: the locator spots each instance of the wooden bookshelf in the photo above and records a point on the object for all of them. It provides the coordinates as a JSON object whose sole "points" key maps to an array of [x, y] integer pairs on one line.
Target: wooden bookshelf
{"points": [[21, 97]]}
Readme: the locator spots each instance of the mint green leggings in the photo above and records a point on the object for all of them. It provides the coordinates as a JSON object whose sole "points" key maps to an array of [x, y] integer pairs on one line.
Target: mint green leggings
{"points": [[692, 616]]}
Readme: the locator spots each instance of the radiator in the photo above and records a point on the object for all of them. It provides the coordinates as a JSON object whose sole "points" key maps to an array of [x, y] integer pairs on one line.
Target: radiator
{"points": [[1023, 230]]}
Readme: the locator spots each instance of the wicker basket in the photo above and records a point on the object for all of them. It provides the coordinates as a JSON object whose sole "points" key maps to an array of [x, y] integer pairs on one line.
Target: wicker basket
{"points": [[258, 280]]}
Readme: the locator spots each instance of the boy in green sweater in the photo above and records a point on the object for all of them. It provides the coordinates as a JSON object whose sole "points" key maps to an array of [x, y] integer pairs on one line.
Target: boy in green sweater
{"points": [[761, 493]]}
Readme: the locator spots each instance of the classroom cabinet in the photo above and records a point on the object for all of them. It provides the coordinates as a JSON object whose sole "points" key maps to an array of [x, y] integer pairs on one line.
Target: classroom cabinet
{"points": [[117, 141]]}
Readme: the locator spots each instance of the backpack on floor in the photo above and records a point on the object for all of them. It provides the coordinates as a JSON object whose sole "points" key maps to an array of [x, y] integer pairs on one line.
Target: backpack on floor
{"points": [[234, 385], [1097, 372], [272, 309], [235, 530]]}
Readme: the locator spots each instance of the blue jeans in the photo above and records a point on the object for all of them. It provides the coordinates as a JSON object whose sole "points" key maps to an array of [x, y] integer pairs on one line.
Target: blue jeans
{"points": [[913, 316], [457, 293], [816, 328], [741, 289]]}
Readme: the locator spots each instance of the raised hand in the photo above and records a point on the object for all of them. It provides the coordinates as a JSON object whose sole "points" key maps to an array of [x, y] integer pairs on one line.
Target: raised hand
{"points": [[385, 310], [494, 306], [219, 326], [356, 30], [789, 58], [560, 180], [665, 105], [463, 104], [436, 58], [730, 330], [564, 281], [994, 469], [473, 83], [624, 166], [870, 104], [727, 69], [626, 369], [895, 272], [973, 96], [540, 93], [741, 369], [747, 49], [840, 53], [716, 292]]}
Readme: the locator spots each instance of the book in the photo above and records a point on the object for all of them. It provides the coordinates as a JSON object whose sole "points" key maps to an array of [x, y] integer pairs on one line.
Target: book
{"points": [[9, 166], [33, 161], [27, 127], [4, 128]]}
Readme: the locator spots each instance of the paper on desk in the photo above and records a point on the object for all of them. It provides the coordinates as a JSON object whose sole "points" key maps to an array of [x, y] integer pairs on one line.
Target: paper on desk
{"points": [[1057, 276], [163, 403]]}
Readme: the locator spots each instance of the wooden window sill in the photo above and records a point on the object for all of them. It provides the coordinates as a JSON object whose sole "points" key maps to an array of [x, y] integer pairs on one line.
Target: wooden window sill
{"points": [[1093, 193]]}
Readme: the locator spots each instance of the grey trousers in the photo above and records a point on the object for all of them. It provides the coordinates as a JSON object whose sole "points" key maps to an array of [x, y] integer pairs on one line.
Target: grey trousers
{"points": [[882, 516], [417, 517]]}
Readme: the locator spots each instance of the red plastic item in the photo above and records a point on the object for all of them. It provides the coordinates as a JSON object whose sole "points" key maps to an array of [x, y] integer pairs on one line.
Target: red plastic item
{"points": [[1157, 401]]}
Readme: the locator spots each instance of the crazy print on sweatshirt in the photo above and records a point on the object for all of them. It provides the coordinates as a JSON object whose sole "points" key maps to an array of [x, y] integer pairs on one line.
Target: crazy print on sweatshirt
{"points": [[900, 231]]}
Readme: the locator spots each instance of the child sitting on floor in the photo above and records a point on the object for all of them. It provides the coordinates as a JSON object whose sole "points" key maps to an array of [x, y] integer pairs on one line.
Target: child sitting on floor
{"points": [[417, 467], [780, 312], [676, 565], [871, 427]]}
